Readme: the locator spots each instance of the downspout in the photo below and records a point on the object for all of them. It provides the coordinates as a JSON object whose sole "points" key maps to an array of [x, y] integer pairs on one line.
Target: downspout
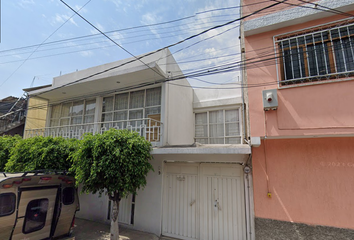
{"points": [[250, 224]]}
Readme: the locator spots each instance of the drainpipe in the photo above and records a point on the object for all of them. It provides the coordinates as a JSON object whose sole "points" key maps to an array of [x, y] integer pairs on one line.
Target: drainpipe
{"points": [[250, 227]]}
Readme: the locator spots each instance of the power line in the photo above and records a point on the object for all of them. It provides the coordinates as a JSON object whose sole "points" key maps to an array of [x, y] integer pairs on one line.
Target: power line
{"points": [[110, 38], [40, 46]]}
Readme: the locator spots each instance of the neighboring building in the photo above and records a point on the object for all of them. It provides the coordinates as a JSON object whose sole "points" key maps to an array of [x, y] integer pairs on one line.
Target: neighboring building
{"points": [[12, 115], [198, 189], [303, 168]]}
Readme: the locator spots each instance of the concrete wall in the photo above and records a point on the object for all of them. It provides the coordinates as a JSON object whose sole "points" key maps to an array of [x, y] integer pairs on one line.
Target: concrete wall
{"points": [[36, 113], [179, 118]]}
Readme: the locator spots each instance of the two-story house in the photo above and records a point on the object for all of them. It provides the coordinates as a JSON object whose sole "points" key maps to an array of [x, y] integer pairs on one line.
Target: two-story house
{"points": [[299, 70], [200, 188]]}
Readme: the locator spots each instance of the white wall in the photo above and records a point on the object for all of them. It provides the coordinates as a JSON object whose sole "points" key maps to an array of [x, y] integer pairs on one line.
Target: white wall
{"points": [[179, 108]]}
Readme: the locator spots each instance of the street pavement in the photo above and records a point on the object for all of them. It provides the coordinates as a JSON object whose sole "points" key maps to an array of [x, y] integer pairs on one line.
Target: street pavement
{"points": [[88, 230]]}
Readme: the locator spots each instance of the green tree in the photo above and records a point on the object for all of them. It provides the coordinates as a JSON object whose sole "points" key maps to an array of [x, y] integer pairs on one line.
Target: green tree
{"points": [[6, 144], [41, 153], [116, 163]]}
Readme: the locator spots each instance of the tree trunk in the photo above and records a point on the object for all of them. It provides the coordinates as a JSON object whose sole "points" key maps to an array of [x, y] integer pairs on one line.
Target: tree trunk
{"points": [[114, 220]]}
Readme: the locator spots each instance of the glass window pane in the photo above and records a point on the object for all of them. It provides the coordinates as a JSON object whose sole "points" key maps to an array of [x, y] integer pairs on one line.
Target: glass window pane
{"points": [[231, 116], [64, 121], [76, 120], [77, 108], [121, 115], [136, 114], [65, 110], [7, 204], [153, 97], [121, 101], [90, 107], [201, 131], [36, 214], [55, 111], [89, 119], [152, 111], [232, 129], [216, 141], [137, 99], [54, 122], [202, 140], [107, 104], [201, 118], [233, 140], [216, 130], [107, 117], [68, 195], [216, 117]]}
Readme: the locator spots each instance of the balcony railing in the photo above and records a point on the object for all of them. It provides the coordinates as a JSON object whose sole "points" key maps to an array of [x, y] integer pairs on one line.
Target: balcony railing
{"points": [[149, 128]]}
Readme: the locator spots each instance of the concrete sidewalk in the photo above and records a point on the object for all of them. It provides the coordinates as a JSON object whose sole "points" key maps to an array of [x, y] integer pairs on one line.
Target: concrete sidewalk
{"points": [[88, 230]]}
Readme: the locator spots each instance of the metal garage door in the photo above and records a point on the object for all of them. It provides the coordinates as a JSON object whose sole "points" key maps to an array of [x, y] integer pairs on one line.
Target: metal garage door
{"points": [[204, 201]]}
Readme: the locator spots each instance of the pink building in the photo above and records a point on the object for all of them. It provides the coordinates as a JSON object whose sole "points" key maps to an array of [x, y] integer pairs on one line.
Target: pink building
{"points": [[300, 71]]}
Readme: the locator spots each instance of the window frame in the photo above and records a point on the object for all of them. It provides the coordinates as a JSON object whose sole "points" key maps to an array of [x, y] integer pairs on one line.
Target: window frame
{"points": [[13, 207], [335, 74], [26, 217], [128, 110], [70, 117], [208, 137]]}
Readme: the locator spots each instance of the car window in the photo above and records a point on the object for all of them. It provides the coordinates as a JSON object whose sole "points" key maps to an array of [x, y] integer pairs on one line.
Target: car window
{"points": [[36, 215], [68, 195], [7, 204]]}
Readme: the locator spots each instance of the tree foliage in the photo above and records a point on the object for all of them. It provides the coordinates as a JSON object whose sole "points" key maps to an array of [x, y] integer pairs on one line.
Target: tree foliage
{"points": [[115, 162], [6, 144], [41, 153]]}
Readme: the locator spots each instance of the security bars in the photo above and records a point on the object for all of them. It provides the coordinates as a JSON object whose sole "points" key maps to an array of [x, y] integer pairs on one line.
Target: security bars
{"points": [[317, 55]]}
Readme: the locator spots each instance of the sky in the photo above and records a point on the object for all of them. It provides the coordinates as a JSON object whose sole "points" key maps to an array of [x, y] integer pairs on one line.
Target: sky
{"points": [[44, 39]]}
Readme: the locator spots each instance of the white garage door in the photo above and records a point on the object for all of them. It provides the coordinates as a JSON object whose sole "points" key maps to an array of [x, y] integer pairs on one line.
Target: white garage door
{"points": [[204, 201]]}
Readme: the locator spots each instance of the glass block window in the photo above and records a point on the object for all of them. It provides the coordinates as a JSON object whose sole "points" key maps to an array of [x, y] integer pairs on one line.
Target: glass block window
{"points": [[218, 127], [317, 55]]}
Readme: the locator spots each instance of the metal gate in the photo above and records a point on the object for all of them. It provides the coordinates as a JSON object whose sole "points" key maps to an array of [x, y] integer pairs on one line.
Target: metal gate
{"points": [[203, 201]]}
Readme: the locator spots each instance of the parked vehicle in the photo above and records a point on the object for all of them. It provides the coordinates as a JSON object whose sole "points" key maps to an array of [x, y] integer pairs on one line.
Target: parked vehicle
{"points": [[37, 205]]}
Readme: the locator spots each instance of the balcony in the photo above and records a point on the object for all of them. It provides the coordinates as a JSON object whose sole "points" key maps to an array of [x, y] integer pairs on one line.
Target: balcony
{"points": [[149, 128]]}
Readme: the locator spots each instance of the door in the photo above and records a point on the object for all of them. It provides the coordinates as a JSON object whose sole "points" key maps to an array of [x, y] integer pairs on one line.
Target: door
{"points": [[204, 202], [222, 202], [181, 201], [125, 210], [35, 213]]}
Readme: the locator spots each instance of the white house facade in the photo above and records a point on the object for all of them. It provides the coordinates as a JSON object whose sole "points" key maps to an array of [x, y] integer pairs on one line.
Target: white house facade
{"points": [[200, 188]]}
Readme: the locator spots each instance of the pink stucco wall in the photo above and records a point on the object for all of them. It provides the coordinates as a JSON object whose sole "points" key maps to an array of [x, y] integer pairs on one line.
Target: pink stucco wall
{"points": [[309, 162], [323, 109], [311, 181]]}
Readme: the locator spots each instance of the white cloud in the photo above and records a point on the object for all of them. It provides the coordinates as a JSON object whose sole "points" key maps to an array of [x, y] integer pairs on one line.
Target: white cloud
{"points": [[82, 10], [26, 3], [151, 18], [86, 53], [60, 18]]}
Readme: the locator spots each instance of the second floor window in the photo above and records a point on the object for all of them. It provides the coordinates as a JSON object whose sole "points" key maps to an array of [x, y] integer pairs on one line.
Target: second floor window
{"points": [[317, 55], [73, 113], [218, 127], [132, 107]]}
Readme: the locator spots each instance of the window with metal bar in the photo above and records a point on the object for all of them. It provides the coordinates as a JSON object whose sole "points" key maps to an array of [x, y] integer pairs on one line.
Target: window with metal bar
{"points": [[316, 55], [218, 127]]}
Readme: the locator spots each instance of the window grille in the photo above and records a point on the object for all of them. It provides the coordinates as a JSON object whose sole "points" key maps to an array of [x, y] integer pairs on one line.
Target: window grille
{"points": [[218, 127], [316, 56]]}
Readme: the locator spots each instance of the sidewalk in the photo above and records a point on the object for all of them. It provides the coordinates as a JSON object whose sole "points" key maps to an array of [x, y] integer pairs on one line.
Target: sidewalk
{"points": [[88, 230]]}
